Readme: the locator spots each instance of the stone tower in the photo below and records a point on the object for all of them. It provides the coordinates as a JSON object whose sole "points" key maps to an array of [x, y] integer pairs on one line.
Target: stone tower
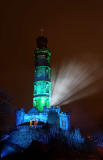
{"points": [[42, 76]]}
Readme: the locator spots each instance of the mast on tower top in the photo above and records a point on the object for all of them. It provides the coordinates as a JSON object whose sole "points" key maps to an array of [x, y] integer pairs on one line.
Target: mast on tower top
{"points": [[41, 40]]}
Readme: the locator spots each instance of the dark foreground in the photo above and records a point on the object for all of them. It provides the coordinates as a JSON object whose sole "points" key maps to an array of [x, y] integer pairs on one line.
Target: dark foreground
{"points": [[56, 150]]}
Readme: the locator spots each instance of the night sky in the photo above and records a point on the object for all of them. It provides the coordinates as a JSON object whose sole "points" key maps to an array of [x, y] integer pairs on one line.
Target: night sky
{"points": [[74, 30]]}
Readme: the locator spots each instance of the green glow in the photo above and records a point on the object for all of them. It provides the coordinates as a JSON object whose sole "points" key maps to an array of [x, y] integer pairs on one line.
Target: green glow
{"points": [[39, 51], [41, 101], [42, 82], [42, 88], [42, 92]]}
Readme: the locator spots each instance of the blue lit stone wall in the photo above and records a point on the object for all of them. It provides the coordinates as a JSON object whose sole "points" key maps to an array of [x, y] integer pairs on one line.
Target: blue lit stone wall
{"points": [[52, 116], [22, 137], [20, 116], [65, 121]]}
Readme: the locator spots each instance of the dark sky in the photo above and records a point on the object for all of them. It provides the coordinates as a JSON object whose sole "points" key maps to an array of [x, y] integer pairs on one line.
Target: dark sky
{"points": [[74, 29]]}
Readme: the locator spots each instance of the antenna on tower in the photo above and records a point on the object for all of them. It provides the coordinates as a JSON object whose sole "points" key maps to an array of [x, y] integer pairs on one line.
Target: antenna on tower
{"points": [[42, 40], [41, 32]]}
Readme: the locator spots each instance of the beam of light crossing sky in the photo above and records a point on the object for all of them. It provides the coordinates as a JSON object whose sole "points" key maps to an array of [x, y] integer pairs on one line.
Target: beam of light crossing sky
{"points": [[74, 81]]}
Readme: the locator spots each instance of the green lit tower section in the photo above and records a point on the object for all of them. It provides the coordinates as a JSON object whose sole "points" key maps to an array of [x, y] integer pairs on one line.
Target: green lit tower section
{"points": [[42, 77]]}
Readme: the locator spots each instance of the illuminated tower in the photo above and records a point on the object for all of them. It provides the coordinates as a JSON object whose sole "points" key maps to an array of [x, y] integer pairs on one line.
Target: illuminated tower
{"points": [[42, 77]]}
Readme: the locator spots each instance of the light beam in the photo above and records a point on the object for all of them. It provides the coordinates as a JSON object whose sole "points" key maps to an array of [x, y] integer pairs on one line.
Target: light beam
{"points": [[74, 81]]}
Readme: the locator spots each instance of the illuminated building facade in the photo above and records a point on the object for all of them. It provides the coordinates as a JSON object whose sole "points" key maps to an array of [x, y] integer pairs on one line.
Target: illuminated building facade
{"points": [[29, 126], [41, 110], [42, 122]]}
